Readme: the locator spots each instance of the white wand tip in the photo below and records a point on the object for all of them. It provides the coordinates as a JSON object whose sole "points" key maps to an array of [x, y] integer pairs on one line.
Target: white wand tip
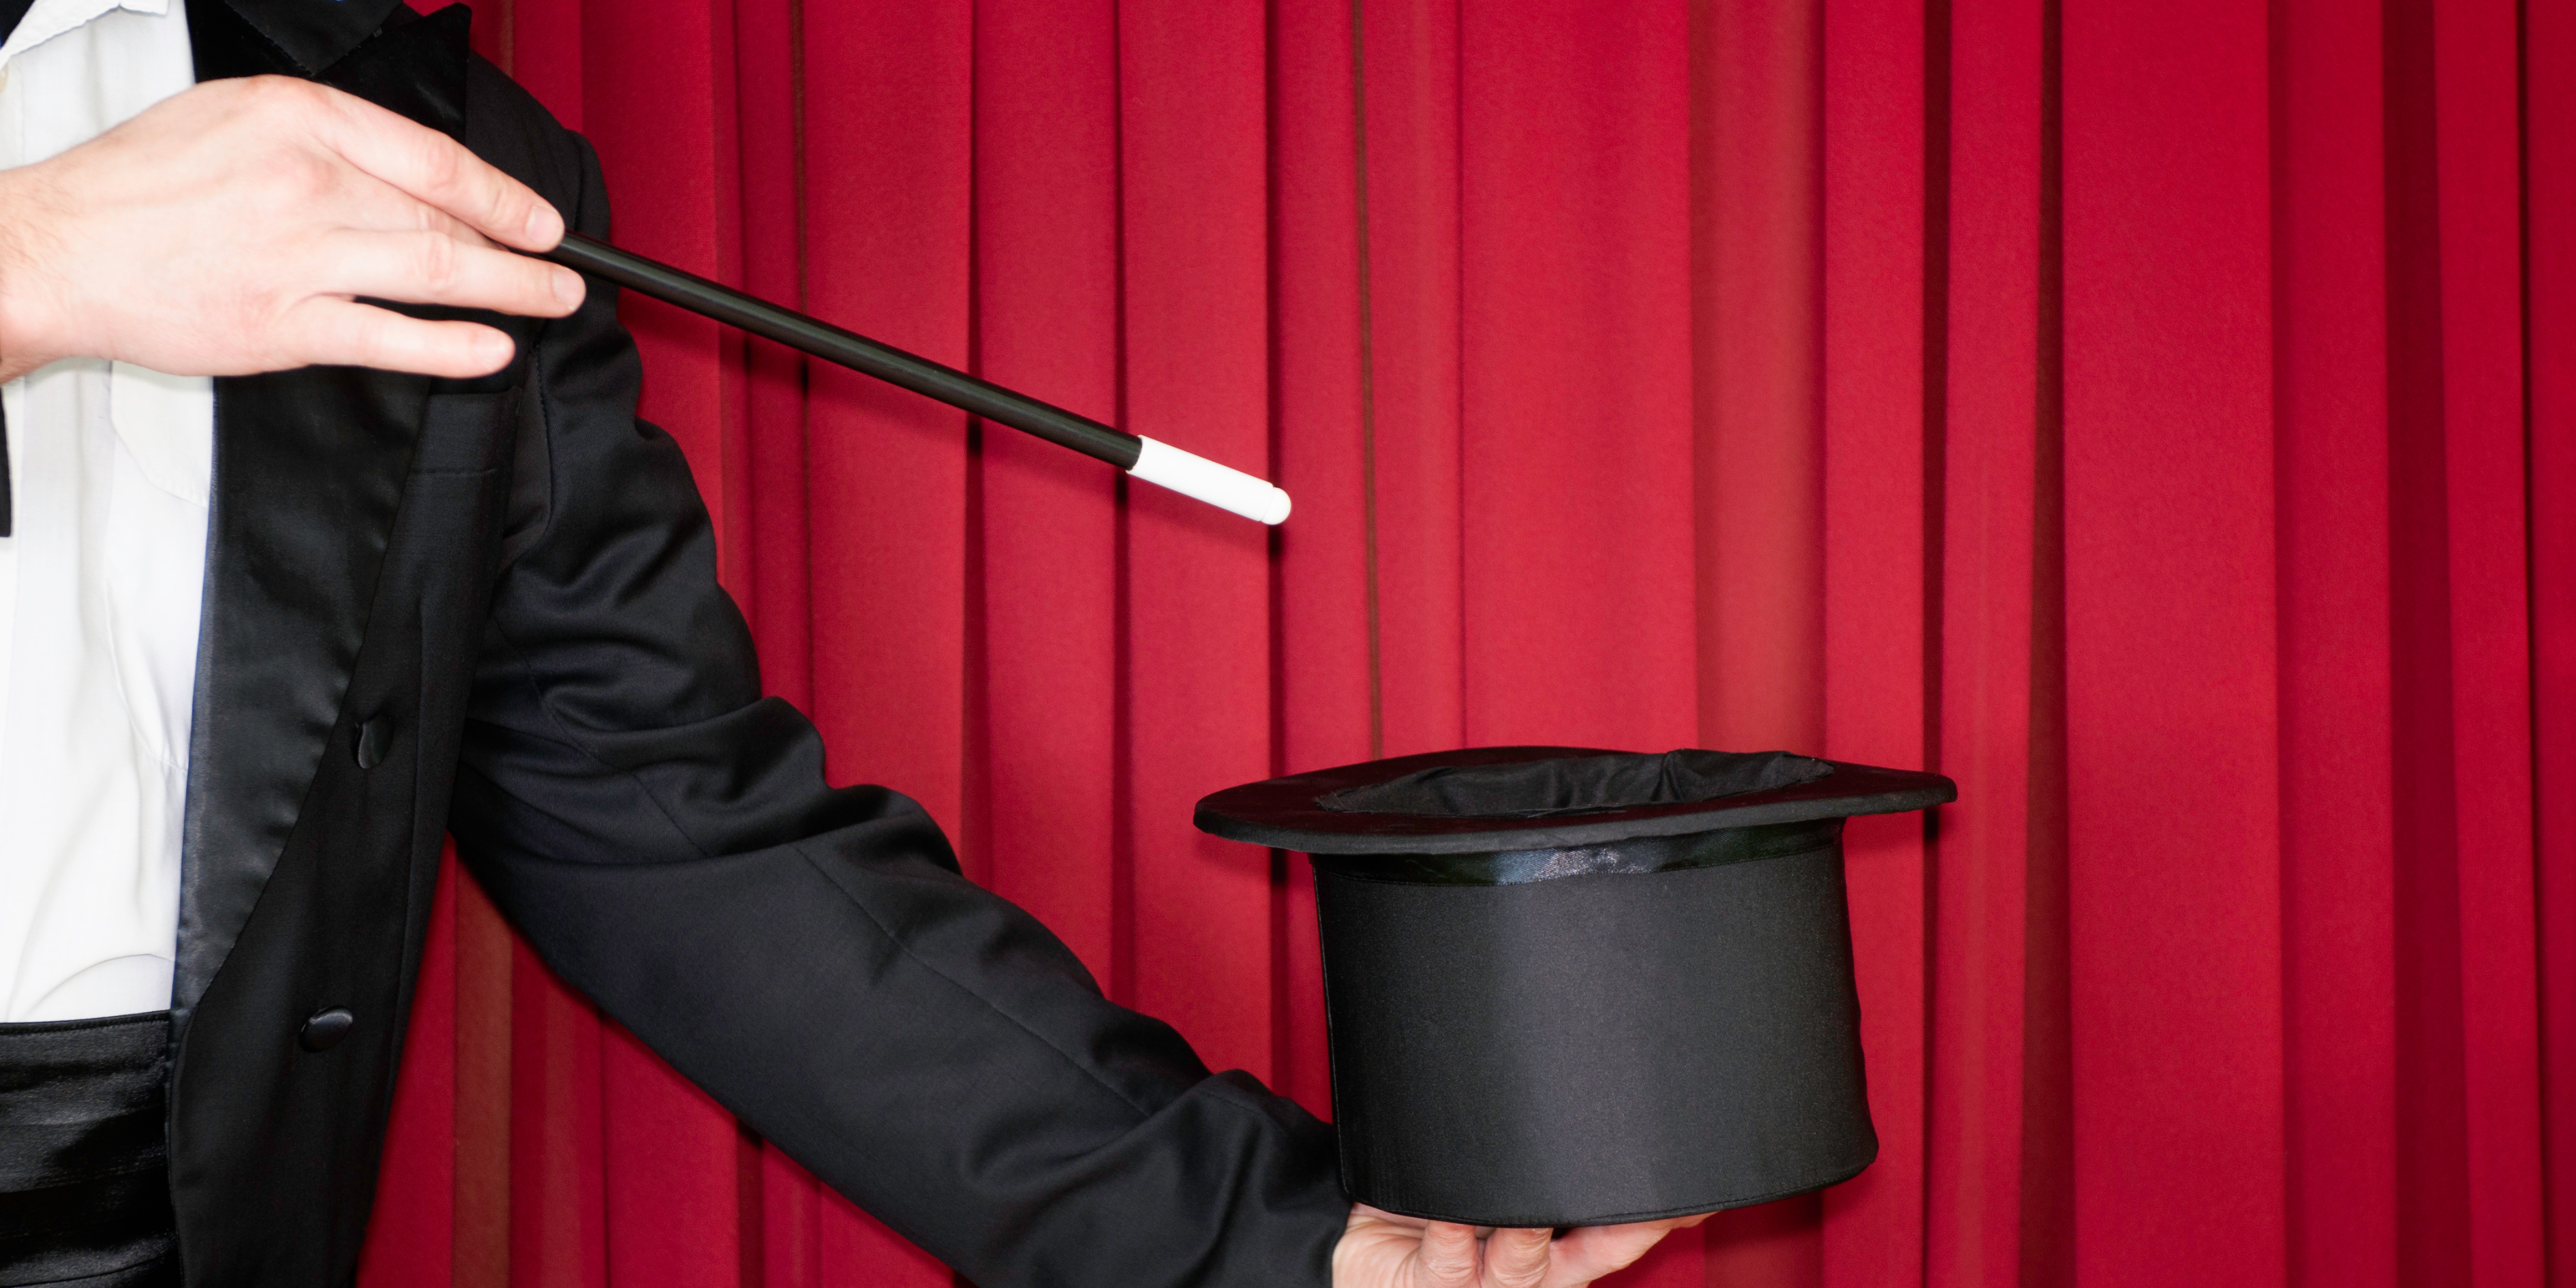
{"points": [[1221, 486]]}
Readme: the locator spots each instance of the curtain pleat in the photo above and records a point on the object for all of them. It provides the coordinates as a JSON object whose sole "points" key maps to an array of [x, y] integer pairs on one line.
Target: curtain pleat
{"points": [[2170, 726], [2549, 286], [2161, 419], [2331, 498], [1880, 479], [1991, 361]]}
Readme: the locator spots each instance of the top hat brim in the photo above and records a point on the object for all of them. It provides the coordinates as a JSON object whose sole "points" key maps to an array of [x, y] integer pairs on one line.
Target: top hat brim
{"points": [[1283, 812]]}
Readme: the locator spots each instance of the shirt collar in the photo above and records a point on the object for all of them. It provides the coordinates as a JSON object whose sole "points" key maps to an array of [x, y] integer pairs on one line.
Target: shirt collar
{"points": [[47, 19]]}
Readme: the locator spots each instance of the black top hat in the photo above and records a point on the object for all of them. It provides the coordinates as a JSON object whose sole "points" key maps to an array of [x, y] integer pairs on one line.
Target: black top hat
{"points": [[1567, 986]]}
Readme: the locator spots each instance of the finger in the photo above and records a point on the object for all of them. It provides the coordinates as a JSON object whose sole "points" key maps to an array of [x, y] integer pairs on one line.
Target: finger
{"points": [[438, 170], [1375, 1252], [1593, 1251], [1447, 1255], [432, 268], [1516, 1258], [340, 332], [378, 206]]}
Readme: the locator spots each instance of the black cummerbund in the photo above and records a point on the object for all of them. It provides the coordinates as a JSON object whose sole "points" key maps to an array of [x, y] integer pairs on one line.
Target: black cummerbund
{"points": [[84, 1155]]}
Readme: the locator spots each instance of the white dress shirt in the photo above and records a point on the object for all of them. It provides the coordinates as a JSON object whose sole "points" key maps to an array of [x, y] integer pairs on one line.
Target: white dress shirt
{"points": [[100, 585]]}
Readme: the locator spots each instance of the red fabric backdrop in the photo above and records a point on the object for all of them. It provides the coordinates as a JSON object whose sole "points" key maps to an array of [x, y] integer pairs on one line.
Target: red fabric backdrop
{"points": [[2159, 415]]}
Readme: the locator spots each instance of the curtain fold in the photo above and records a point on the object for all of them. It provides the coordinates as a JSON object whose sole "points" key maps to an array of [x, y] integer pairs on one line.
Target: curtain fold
{"points": [[2161, 419]]}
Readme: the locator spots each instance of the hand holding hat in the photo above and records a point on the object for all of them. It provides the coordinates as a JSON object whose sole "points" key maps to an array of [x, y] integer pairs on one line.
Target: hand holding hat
{"points": [[1383, 1250]]}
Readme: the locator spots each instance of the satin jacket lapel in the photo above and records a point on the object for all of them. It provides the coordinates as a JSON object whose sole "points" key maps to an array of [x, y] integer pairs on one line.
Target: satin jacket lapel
{"points": [[309, 469]]}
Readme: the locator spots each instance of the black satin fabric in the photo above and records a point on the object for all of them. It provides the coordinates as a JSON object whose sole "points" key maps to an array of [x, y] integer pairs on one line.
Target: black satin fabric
{"points": [[1600, 1047], [84, 1165], [1635, 855]]}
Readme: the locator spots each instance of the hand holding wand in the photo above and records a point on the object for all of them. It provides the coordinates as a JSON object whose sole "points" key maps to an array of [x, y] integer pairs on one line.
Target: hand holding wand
{"points": [[1155, 462]]}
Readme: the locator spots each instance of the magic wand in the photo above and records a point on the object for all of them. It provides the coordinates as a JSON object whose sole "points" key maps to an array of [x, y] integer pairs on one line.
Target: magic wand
{"points": [[1155, 462]]}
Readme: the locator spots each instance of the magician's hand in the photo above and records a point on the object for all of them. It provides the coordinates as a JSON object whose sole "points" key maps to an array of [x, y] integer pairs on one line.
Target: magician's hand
{"points": [[1383, 1250], [228, 229]]}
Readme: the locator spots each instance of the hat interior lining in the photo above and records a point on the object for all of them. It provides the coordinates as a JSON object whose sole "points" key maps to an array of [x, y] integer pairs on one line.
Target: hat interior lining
{"points": [[1577, 784]]}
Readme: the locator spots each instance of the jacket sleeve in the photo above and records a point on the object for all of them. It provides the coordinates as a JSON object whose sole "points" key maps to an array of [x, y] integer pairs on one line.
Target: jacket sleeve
{"points": [[663, 836]]}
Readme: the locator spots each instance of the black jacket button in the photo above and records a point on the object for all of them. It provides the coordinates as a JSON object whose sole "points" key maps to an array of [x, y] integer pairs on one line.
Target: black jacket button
{"points": [[326, 1028], [375, 738]]}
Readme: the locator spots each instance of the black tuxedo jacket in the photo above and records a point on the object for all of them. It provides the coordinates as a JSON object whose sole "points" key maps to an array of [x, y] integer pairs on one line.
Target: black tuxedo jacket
{"points": [[490, 607]]}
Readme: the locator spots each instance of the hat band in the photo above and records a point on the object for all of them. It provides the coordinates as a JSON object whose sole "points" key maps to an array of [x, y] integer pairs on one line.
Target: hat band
{"points": [[1634, 855]]}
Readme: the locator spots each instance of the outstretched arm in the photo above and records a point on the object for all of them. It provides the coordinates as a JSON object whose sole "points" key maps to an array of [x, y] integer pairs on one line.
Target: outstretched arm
{"points": [[810, 956]]}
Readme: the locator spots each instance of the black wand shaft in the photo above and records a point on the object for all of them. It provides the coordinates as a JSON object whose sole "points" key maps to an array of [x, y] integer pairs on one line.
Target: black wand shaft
{"points": [[847, 348]]}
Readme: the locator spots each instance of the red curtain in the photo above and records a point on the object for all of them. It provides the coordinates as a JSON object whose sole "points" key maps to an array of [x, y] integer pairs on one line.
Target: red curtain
{"points": [[2158, 416]]}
